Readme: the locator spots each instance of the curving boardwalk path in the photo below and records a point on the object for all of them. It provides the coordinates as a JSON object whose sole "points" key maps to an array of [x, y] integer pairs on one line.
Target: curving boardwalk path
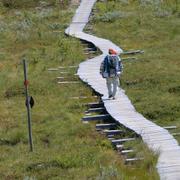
{"points": [[158, 139]]}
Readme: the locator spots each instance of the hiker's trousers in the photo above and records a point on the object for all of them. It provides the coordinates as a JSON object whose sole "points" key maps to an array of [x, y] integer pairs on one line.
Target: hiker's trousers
{"points": [[112, 85]]}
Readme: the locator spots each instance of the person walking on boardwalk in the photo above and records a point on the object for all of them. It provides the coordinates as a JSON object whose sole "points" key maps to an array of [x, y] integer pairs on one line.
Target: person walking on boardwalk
{"points": [[111, 68]]}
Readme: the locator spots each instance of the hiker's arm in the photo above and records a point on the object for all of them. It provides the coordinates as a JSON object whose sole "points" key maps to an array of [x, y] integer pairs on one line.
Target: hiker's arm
{"points": [[102, 67], [103, 64]]}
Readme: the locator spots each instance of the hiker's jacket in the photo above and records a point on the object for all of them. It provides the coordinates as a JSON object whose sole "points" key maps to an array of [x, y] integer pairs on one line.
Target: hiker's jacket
{"points": [[111, 72]]}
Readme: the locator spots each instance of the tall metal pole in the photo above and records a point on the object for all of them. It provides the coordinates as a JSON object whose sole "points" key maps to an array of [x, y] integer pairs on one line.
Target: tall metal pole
{"points": [[28, 105]]}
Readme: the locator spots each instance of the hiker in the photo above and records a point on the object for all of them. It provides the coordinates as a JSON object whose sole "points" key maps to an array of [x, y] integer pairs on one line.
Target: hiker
{"points": [[111, 68]]}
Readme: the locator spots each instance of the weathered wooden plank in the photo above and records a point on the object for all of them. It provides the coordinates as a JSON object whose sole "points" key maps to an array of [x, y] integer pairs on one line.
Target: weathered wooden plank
{"points": [[130, 160], [127, 151], [53, 69], [95, 104], [106, 126], [114, 132], [110, 138], [96, 117], [119, 146], [67, 67], [88, 114], [63, 72], [169, 166], [132, 52], [90, 52], [60, 77], [118, 141], [90, 49], [68, 82], [176, 134], [100, 109], [110, 135], [170, 127]]}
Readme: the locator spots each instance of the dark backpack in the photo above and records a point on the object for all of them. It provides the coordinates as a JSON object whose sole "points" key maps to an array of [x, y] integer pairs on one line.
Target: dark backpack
{"points": [[112, 62]]}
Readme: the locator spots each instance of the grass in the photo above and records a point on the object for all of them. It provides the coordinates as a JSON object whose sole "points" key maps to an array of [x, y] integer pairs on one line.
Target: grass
{"points": [[151, 82], [64, 147]]}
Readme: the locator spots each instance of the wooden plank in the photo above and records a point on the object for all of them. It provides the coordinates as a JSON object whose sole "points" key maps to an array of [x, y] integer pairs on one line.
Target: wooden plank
{"points": [[90, 52], [67, 67], [114, 132], [63, 72], [131, 160], [68, 82], [88, 114], [119, 146], [127, 151], [60, 77], [95, 104], [100, 109], [110, 138], [90, 49], [110, 135], [106, 126], [170, 127], [133, 52], [168, 166], [97, 117], [53, 69], [118, 141], [176, 134], [85, 122]]}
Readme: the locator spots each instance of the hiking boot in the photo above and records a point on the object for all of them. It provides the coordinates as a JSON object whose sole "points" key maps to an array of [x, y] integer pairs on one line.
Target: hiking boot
{"points": [[110, 96], [113, 98]]}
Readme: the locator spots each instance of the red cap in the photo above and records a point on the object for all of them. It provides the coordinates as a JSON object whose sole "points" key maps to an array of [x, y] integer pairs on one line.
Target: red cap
{"points": [[112, 51]]}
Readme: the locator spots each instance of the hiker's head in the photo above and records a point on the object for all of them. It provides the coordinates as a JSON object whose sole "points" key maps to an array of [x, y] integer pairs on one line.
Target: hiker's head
{"points": [[112, 51]]}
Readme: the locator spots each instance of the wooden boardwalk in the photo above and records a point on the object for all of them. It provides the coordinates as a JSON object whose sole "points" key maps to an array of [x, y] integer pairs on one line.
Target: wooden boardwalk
{"points": [[157, 138]]}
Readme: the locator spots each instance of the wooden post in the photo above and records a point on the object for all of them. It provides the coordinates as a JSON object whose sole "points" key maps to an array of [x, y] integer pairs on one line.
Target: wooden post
{"points": [[28, 105]]}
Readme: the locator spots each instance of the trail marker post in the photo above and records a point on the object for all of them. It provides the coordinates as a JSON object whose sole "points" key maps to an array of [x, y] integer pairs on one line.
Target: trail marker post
{"points": [[26, 83]]}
